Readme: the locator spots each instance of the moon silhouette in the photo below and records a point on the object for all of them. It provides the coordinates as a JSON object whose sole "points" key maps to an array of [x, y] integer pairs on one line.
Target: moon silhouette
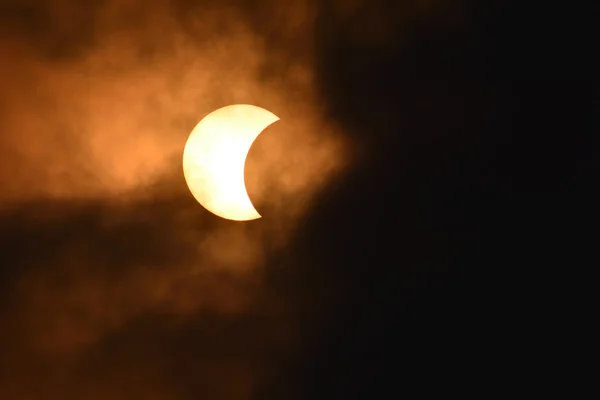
{"points": [[215, 156]]}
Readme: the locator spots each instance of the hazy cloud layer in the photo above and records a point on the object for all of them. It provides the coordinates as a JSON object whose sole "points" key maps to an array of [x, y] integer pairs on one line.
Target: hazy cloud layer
{"points": [[106, 256], [115, 282]]}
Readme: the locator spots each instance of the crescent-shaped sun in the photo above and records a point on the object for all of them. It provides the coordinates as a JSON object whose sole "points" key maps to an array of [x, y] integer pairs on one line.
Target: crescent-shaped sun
{"points": [[215, 156]]}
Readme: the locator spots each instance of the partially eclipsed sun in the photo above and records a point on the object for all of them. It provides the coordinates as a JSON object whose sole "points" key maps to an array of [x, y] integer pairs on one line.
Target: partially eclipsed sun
{"points": [[215, 155]]}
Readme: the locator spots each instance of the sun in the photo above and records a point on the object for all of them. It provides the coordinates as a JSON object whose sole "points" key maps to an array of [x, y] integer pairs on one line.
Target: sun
{"points": [[215, 156]]}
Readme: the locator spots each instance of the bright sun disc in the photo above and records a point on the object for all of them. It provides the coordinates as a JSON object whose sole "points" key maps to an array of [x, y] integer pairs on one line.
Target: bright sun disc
{"points": [[215, 156]]}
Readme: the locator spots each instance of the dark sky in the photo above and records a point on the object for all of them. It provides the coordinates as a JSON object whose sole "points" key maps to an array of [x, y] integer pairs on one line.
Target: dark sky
{"points": [[433, 159]]}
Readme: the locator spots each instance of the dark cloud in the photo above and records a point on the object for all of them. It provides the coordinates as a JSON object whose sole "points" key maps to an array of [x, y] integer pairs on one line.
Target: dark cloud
{"points": [[96, 293]]}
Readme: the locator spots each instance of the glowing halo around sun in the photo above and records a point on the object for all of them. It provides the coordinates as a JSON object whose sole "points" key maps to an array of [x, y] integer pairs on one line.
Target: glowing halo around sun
{"points": [[215, 156]]}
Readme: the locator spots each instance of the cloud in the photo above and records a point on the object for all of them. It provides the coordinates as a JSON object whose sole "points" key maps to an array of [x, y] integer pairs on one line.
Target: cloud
{"points": [[116, 283], [114, 116], [81, 275]]}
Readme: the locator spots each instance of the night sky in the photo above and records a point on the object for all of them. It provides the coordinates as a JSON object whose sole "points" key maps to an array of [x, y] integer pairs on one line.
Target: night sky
{"points": [[429, 187]]}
